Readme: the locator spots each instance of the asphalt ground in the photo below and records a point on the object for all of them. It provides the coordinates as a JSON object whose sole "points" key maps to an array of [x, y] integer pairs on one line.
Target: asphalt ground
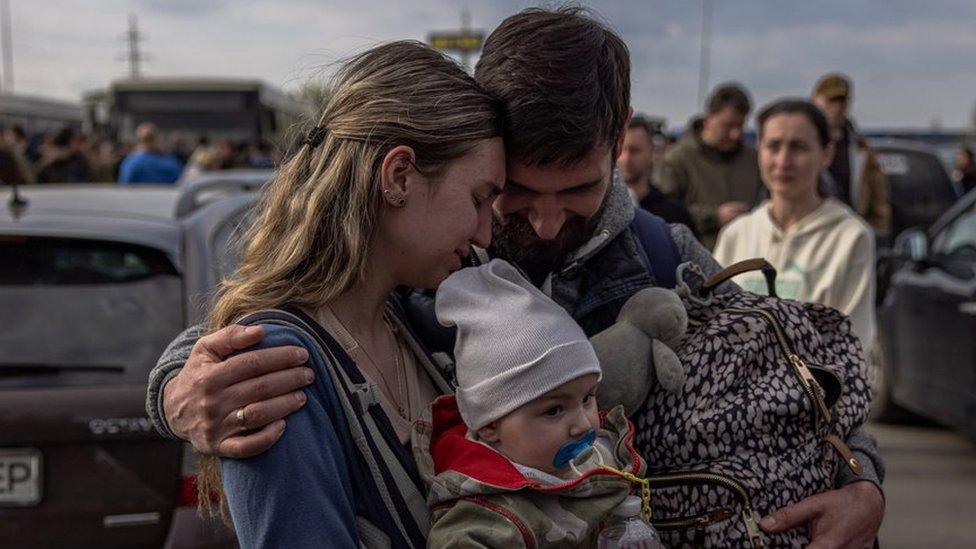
{"points": [[930, 487]]}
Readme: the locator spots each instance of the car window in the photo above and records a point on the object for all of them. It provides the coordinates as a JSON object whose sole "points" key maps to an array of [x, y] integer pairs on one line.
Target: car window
{"points": [[227, 245], [958, 239], [84, 312], [920, 187]]}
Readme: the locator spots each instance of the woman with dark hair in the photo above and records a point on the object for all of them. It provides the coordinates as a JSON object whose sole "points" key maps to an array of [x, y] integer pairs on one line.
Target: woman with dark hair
{"points": [[822, 250]]}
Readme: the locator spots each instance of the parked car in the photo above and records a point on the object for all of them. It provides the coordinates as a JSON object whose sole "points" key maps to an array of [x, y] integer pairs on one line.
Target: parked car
{"points": [[928, 322], [920, 191], [94, 283]]}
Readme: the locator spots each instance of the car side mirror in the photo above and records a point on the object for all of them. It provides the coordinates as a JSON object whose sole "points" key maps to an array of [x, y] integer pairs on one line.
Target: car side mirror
{"points": [[913, 244]]}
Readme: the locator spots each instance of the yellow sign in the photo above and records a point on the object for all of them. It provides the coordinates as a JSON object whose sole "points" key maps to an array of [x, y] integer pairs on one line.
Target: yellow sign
{"points": [[461, 41]]}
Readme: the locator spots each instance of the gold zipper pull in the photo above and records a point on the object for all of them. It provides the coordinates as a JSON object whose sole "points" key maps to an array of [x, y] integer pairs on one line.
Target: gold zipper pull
{"points": [[802, 368], [813, 385], [844, 451], [752, 528]]}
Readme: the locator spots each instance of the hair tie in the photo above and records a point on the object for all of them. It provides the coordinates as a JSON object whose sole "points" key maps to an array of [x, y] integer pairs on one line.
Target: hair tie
{"points": [[315, 136]]}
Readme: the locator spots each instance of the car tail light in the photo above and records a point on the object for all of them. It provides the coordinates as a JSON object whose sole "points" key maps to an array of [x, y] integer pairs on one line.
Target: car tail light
{"points": [[188, 478], [187, 496], [188, 491]]}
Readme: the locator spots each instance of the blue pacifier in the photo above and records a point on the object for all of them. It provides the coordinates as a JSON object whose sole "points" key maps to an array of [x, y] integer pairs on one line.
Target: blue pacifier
{"points": [[569, 450]]}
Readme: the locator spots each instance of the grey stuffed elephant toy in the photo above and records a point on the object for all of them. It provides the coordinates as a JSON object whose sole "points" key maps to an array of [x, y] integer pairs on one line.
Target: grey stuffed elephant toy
{"points": [[648, 328]]}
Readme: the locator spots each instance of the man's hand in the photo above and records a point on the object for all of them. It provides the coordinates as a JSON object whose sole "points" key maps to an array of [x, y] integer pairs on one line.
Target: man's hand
{"points": [[848, 517], [731, 210], [201, 402]]}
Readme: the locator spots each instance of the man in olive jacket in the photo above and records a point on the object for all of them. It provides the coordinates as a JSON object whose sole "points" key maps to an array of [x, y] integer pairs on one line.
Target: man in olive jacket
{"points": [[855, 176], [711, 170]]}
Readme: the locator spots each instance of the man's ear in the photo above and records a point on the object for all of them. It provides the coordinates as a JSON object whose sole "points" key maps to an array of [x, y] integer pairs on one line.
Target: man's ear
{"points": [[397, 165], [619, 147], [489, 433]]}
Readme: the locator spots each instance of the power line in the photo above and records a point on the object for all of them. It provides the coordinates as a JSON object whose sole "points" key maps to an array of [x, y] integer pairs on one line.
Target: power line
{"points": [[465, 27], [8, 47], [133, 55], [706, 37]]}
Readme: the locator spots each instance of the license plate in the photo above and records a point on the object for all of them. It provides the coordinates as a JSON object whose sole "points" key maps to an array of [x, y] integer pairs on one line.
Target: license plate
{"points": [[20, 476]]}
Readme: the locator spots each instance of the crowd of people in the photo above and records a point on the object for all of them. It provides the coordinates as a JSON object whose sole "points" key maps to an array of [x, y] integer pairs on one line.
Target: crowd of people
{"points": [[71, 155], [810, 197]]}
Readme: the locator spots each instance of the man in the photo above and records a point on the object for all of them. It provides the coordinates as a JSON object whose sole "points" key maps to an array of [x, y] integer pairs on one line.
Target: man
{"points": [[635, 163], [148, 164], [711, 170], [563, 217], [855, 176], [14, 169], [63, 160]]}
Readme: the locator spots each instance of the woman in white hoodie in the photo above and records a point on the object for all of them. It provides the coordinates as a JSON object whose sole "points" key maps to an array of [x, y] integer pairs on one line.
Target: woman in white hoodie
{"points": [[822, 251]]}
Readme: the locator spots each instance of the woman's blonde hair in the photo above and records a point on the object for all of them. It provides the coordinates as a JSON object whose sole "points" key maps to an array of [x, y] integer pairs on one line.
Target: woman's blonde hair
{"points": [[313, 225]]}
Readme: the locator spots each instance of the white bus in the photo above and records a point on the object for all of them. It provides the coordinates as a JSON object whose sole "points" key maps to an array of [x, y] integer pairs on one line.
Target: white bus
{"points": [[233, 108]]}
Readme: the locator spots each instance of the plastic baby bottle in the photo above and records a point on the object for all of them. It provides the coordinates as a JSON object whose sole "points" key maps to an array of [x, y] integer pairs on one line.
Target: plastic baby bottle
{"points": [[627, 529]]}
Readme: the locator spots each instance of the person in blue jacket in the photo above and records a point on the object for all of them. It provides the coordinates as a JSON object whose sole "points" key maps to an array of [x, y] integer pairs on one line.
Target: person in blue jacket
{"points": [[147, 163]]}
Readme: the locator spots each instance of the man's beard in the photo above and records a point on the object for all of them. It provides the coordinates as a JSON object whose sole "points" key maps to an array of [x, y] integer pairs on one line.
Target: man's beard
{"points": [[514, 240]]}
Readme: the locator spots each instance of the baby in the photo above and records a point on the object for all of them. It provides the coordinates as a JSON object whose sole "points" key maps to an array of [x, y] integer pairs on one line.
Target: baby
{"points": [[521, 456]]}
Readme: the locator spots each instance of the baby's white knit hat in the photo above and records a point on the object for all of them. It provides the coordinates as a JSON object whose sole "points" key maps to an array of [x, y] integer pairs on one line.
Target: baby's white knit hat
{"points": [[513, 344]]}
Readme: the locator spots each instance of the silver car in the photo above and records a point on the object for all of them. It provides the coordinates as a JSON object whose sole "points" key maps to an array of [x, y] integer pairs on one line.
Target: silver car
{"points": [[94, 282]]}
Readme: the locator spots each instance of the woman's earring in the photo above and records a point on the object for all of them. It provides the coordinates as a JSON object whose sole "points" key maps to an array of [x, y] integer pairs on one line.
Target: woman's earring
{"points": [[394, 198]]}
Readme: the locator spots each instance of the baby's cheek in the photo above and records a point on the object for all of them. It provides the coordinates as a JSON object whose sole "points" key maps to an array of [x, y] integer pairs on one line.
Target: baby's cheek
{"points": [[594, 416], [546, 445]]}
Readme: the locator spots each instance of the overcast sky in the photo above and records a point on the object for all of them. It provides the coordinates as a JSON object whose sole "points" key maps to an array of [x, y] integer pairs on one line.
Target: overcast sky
{"points": [[913, 62]]}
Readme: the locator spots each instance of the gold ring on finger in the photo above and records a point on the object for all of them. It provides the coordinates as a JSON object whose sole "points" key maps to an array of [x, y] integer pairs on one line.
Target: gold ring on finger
{"points": [[241, 420]]}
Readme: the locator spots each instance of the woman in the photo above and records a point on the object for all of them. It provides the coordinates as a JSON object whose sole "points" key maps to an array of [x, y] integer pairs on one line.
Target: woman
{"points": [[391, 188], [822, 251]]}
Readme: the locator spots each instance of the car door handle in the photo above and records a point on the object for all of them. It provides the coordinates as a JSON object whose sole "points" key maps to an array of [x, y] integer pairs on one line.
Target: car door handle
{"points": [[968, 308]]}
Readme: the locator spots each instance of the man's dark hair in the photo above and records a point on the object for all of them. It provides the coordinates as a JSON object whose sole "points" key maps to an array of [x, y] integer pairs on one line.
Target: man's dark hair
{"points": [[796, 106], [63, 137], [564, 79], [644, 123], [261, 145], [18, 131], [729, 95]]}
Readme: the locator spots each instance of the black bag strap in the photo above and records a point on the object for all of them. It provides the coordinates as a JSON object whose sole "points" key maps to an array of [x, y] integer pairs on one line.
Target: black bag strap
{"points": [[657, 248]]}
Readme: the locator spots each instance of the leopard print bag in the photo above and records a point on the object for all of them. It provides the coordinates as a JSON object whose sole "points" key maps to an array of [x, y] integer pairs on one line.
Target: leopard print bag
{"points": [[774, 387]]}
